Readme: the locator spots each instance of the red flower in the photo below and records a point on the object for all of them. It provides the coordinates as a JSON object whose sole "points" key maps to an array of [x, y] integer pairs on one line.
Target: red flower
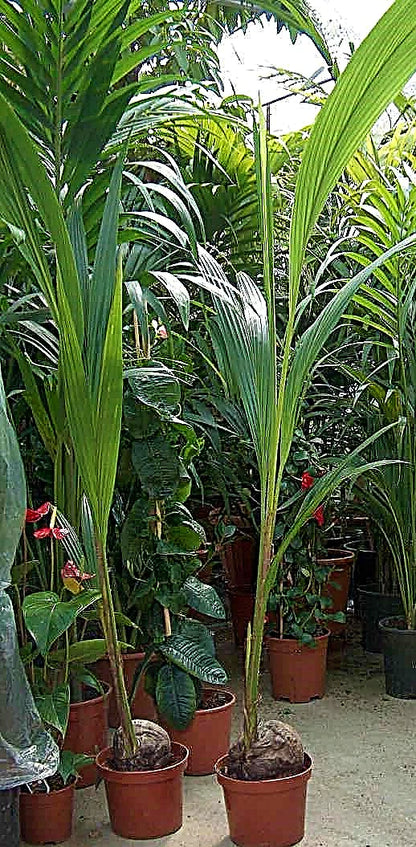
{"points": [[319, 515], [70, 570], [307, 481], [73, 578], [33, 515], [51, 532]]}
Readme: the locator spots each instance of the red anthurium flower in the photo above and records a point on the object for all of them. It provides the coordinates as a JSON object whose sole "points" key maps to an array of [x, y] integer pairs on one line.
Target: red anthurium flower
{"points": [[319, 515], [73, 578], [307, 481], [70, 569], [33, 515], [51, 532]]}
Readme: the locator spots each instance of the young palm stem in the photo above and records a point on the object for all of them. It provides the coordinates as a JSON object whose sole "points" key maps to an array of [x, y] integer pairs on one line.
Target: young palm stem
{"points": [[108, 620]]}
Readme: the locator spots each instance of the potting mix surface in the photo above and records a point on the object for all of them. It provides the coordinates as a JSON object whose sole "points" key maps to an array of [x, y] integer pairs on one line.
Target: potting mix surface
{"points": [[363, 788]]}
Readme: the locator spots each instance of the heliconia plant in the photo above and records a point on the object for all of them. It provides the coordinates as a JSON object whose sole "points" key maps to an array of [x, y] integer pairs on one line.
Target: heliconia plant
{"points": [[269, 374]]}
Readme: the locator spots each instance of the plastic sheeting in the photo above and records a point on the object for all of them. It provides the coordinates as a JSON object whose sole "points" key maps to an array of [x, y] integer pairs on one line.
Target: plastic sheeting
{"points": [[27, 751]]}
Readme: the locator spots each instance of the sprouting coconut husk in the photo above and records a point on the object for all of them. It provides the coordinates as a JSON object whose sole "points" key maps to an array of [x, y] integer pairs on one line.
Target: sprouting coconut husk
{"points": [[153, 752], [278, 751]]}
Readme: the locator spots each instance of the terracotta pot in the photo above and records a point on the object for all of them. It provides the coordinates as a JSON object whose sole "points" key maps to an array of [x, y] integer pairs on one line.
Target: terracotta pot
{"points": [[144, 804], [143, 706], [239, 560], [47, 818], [265, 813], [207, 736], [241, 601], [87, 732], [297, 671], [337, 588]]}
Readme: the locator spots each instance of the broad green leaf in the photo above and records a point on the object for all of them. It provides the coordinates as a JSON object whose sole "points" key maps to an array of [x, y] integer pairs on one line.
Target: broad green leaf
{"points": [[85, 652], [198, 632], [175, 696], [71, 763], [141, 421], [157, 466], [155, 386], [183, 531], [135, 532], [47, 617], [190, 657], [203, 598], [53, 707]]}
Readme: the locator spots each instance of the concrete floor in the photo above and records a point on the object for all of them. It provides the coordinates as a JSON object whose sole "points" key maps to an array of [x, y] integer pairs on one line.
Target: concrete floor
{"points": [[363, 789]]}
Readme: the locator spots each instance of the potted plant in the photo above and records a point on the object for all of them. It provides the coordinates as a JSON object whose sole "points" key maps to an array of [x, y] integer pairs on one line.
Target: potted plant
{"points": [[69, 698], [157, 561], [299, 610], [297, 630], [47, 805], [92, 382], [386, 384], [265, 774], [26, 749]]}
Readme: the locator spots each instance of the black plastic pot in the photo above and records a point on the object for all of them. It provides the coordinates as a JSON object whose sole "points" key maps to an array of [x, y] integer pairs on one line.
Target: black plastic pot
{"points": [[399, 648], [365, 571], [9, 818], [373, 607]]}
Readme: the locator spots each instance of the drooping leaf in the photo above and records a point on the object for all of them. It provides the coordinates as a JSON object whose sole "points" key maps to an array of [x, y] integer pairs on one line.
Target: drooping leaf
{"points": [[199, 633], [175, 696], [71, 763], [157, 466], [192, 658], [203, 598], [155, 386], [135, 532], [54, 707]]}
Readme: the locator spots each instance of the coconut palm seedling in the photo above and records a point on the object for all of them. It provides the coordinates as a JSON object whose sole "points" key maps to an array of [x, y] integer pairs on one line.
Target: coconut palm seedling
{"points": [[269, 373]]}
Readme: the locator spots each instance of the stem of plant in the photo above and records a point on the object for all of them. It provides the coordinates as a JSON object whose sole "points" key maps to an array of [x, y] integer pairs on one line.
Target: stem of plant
{"points": [[109, 625]]}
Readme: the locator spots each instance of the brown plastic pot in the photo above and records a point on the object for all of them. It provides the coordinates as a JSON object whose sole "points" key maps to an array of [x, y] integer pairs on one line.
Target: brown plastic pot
{"points": [[207, 736], [239, 560], [47, 818], [143, 705], [241, 601], [338, 586], [144, 804], [265, 813], [297, 670], [87, 732]]}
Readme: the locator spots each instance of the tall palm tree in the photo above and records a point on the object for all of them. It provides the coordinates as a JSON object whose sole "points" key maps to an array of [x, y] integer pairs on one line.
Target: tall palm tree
{"points": [[271, 388]]}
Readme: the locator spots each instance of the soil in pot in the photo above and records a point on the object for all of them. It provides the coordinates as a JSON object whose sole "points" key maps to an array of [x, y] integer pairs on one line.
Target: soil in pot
{"points": [[148, 803], [143, 705], [208, 735], [46, 817], [241, 602], [375, 605], [88, 730], [265, 813], [338, 585], [399, 649], [297, 670]]}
